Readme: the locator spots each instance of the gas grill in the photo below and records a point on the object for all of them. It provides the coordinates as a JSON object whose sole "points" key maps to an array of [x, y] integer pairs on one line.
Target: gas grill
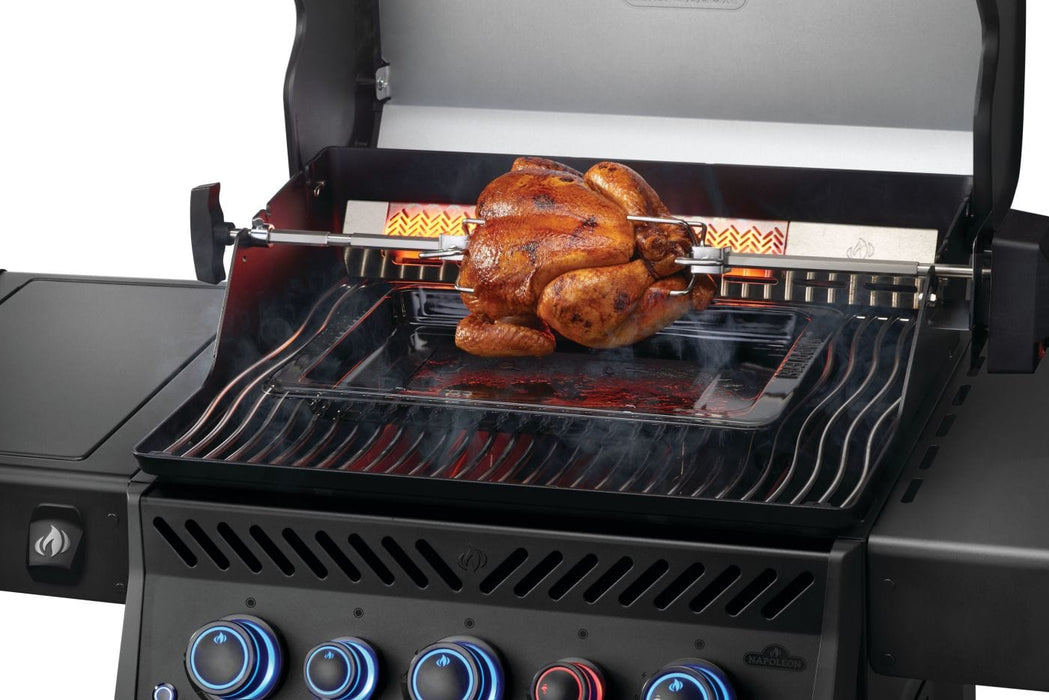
{"points": [[795, 493]]}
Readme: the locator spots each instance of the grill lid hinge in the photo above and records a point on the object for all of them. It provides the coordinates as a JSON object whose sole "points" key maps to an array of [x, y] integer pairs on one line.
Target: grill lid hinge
{"points": [[382, 83]]}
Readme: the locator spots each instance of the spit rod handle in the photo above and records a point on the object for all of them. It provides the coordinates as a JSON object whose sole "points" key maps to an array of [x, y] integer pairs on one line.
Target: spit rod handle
{"points": [[209, 233]]}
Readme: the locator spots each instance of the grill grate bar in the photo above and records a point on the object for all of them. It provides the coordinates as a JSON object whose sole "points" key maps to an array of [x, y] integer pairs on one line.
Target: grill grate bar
{"points": [[814, 394], [841, 411], [286, 352], [857, 421], [282, 435]]}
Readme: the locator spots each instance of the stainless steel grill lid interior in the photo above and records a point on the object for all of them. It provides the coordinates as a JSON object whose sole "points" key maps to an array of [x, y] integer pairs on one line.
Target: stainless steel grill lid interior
{"points": [[931, 86], [335, 367], [677, 80]]}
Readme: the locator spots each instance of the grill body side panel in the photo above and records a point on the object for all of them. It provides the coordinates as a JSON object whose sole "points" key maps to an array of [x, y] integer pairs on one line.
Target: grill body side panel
{"points": [[958, 558]]}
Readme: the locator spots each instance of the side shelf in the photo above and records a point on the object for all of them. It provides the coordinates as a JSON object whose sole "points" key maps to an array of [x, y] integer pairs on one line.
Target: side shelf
{"points": [[89, 365], [958, 567]]}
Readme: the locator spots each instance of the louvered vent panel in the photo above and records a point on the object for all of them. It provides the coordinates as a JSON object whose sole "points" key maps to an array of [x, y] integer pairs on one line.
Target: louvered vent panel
{"points": [[294, 553], [305, 553], [645, 581], [761, 583], [405, 562], [573, 576], [538, 574], [371, 559], [177, 544], [337, 556], [788, 595], [677, 587], [504, 570], [440, 566], [627, 579], [608, 579], [207, 544], [240, 549], [272, 550], [713, 590]]}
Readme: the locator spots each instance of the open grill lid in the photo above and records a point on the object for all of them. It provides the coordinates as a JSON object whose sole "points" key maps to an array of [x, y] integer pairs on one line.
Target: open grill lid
{"points": [[854, 76]]}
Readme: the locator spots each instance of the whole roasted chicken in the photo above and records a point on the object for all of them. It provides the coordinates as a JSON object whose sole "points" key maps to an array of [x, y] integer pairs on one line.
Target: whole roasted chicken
{"points": [[557, 252]]}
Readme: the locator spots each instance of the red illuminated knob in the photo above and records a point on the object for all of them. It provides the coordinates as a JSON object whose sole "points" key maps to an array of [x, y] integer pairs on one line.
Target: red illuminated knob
{"points": [[569, 679]]}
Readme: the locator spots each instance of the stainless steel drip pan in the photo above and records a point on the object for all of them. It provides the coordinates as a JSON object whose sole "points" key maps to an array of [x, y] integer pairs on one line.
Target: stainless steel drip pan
{"points": [[735, 364]]}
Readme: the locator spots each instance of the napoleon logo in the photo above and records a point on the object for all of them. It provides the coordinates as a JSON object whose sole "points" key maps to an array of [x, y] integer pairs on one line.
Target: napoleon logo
{"points": [[862, 250], [774, 656], [472, 559], [52, 544]]}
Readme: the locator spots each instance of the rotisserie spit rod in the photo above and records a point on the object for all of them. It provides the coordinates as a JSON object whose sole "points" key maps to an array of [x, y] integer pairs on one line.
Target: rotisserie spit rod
{"points": [[703, 260]]}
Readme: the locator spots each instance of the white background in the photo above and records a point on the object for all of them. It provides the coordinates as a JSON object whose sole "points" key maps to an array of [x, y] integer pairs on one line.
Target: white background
{"points": [[111, 112]]}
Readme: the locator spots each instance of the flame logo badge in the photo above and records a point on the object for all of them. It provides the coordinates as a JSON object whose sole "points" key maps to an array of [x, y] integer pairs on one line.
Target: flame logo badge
{"points": [[220, 638], [443, 661], [472, 559], [676, 685], [862, 250], [329, 655], [52, 544]]}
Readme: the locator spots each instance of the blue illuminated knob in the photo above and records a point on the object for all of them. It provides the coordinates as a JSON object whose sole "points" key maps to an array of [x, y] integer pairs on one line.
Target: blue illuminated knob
{"points": [[342, 669], [689, 679], [238, 657], [456, 668]]}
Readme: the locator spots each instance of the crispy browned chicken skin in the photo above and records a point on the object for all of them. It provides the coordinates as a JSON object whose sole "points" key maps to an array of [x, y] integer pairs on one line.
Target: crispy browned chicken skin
{"points": [[557, 251]]}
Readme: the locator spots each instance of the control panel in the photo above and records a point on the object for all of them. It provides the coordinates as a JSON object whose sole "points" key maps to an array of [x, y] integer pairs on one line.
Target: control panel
{"points": [[242, 657], [247, 603], [390, 649]]}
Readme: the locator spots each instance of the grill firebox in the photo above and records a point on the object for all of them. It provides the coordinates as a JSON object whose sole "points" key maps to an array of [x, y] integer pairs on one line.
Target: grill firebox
{"points": [[783, 404], [777, 407]]}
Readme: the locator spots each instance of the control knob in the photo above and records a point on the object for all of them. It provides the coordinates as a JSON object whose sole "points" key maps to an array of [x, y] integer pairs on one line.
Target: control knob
{"points": [[342, 669], [456, 668], [689, 679], [237, 657], [569, 679]]}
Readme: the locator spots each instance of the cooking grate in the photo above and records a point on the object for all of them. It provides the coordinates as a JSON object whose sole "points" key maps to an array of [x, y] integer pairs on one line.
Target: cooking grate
{"points": [[820, 433]]}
